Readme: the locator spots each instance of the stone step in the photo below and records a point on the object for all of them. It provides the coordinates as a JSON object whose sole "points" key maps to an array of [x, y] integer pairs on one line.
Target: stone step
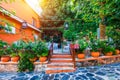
{"points": [[60, 63], [59, 66], [61, 60], [64, 63], [61, 56], [58, 71]]}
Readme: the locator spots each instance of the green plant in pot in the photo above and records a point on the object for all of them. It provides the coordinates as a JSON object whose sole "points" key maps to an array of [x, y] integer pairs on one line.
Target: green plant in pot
{"points": [[109, 51], [42, 51], [43, 56], [24, 63], [82, 46], [4, 55], [4, 52], [94, 45], [31, 49], [14, 52], [114, 30]]}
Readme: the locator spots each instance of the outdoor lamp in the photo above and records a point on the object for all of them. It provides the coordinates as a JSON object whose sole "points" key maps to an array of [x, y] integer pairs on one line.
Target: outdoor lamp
{"points": [[24, 24], [66, 25]]}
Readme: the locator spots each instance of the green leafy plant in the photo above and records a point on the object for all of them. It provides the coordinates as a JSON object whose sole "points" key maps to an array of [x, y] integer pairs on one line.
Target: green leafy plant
{"points": [[40, 49], [30, 49], [113, 33], [17, 48], [25, 53], [25, 64], [95, 45], [3, 47], [13, 54], [108, 49], [82, 45]]}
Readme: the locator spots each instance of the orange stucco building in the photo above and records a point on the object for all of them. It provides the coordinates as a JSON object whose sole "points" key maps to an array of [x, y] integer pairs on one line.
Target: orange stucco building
{"points": [[23, 13]]}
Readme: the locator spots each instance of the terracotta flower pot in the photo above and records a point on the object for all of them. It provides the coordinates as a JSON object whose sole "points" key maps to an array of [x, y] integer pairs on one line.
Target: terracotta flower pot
{"points": [[42, 59], [81, 56], [108, 54], [5, 58], [117, 51], [15, 59], [95, 54], [33, 59]]}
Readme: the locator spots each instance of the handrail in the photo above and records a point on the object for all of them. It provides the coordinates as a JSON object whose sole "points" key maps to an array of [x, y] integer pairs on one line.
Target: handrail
{"points": [[50, 52], [72, 52]]}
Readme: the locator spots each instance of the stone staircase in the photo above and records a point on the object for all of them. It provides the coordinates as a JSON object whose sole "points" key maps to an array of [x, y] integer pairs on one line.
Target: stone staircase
{"points": [[60, 63]]}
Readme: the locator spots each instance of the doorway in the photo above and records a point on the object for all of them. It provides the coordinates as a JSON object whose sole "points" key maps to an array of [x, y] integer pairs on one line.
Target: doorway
{"points": [[61, 48]]}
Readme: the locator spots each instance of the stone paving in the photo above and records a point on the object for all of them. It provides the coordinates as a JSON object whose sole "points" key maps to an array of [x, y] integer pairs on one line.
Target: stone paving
{"points": [[104, 72]]}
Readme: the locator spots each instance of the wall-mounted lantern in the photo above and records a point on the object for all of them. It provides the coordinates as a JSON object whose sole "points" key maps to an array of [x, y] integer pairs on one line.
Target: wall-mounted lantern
{"points": [[24, 24], [66, 25]]}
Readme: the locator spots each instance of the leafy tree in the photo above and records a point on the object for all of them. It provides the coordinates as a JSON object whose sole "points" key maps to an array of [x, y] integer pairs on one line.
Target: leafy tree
{"points": [[86, 15], [98, 11]]}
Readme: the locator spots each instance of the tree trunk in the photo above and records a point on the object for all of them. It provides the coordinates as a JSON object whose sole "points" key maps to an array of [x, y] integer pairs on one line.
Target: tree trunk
{"points": [[102, 27], [102, 30]]}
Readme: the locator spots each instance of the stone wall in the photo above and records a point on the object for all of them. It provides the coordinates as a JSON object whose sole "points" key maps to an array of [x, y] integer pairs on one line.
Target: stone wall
{"points": [[13, 66]]}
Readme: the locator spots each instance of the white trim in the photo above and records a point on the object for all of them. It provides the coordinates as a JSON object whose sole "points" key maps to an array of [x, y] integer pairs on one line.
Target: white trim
{"points": [[20, 20], [33, 27], [16, 18]]}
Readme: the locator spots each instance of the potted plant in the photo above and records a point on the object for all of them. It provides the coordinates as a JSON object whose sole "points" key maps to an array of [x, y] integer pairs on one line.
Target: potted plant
{"points": [[95, 47], [82, 46], [30, 49], [15, 57], [117, 51], [4, 51], [25, 54], [4, 56], [43, 57], [14, 52], [108, 50], [70, 35], [42, 51]]}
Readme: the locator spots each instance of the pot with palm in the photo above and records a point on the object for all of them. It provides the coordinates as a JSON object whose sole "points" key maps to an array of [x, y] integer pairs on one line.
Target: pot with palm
{"points": [[15, 57], [15, 50], [82, 46], [30, 49], [41, 51], [4, 57], [4, 53]]}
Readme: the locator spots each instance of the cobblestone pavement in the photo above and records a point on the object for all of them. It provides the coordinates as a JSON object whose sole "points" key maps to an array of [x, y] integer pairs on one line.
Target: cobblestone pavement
{"points": [[104, 72]]}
